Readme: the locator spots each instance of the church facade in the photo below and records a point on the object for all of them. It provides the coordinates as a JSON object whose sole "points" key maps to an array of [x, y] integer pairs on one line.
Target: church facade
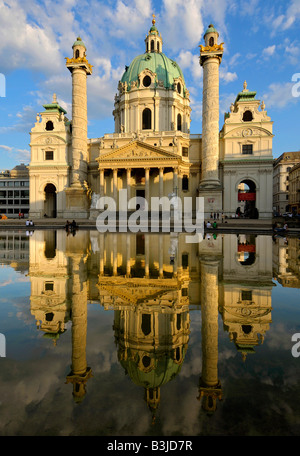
{"points": [[152, 153]]}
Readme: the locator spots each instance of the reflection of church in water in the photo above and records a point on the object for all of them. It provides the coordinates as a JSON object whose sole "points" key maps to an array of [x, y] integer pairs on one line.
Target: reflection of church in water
{"points": [[153, 283]]}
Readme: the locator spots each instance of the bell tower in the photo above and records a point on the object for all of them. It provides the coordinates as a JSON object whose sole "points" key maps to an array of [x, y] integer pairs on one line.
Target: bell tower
{"points": [[76, 194], [210, 59]]}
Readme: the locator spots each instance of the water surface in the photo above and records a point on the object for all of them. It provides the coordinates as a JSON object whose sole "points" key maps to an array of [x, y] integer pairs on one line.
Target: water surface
{"points": [[145, 334]]}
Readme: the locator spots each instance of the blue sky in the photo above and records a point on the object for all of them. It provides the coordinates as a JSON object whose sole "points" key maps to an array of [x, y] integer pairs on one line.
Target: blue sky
{"points": [[262, 46]]}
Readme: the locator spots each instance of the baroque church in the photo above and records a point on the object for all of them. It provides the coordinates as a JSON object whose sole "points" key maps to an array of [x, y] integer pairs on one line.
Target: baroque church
{"points": [[152, 152]]}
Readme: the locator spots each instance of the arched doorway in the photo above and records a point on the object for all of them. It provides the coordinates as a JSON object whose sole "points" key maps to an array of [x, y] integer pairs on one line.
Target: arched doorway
{"points": [[50, 201], [247, 199]]}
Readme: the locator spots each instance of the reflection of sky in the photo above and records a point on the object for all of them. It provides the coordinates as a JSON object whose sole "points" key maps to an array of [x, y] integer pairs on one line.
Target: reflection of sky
{"points": [[260, 395]]}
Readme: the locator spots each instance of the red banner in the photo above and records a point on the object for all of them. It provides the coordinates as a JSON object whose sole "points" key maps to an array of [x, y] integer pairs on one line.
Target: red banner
{"points": [[246, 248], [246, 196]]}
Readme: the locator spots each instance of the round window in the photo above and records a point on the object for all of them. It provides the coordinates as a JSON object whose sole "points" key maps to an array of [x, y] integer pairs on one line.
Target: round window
{"points": [[146, 81]]}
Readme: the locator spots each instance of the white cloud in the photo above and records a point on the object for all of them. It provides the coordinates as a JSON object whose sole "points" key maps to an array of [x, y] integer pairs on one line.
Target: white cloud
{"points": [[182, 23], [279, 95], [269, 51], [227, 76], [190, 62], [234, 59], [27, 44], [285, 21], [7, 148]]}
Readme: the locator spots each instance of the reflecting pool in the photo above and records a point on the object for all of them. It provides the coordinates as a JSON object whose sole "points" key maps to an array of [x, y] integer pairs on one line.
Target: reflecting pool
{"points": [[121, 334]]}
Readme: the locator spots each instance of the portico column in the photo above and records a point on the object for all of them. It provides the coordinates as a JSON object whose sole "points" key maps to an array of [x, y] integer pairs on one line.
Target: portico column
{"points": [[175, 180], [115, 184], [147, 186], [101, 182], [128, 179], [161, 182]]}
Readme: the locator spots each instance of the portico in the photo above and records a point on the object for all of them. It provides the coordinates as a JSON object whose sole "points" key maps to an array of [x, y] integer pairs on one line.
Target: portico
{"points": [[142, 170]]}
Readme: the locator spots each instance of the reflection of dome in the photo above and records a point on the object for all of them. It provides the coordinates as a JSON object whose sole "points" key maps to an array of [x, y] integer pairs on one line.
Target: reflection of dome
{"points": [[152, 370], [166, 70]]}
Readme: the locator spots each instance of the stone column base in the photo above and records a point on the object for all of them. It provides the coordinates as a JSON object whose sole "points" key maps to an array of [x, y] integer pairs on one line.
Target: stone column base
{"points": [[77, 203], [212, 201]]}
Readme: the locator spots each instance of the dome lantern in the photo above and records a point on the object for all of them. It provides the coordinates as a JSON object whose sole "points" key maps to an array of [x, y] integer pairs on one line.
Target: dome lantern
{"points": [[153, 39]]}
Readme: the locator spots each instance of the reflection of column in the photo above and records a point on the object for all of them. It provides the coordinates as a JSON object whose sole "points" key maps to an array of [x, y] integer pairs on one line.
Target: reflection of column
{"points": [[146, 256], [128, 268], [101, 253], [80, 373], [128, 179], [161, 182], [161, 257], [115, 255], [101, 182], [210, 388]]}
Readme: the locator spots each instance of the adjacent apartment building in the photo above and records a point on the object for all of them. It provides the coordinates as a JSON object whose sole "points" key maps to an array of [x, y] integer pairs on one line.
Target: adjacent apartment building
{"points": [[294, 189], [14, 192], [281, 181]]}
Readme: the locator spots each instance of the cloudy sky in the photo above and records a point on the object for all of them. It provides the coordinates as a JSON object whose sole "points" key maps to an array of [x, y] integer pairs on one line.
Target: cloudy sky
{"points": [[262, 46]]}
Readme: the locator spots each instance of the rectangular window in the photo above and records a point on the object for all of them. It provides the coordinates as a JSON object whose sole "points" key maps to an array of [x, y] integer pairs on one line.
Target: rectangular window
{"points": [[247, 149], [49, 155], [49, 286], [185, 151], [185, 260], [246, 295], [185, 183]]}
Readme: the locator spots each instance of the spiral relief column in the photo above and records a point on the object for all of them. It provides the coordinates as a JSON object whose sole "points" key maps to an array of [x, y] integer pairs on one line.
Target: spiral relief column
{"points": [[78, 192], [210, 59]]}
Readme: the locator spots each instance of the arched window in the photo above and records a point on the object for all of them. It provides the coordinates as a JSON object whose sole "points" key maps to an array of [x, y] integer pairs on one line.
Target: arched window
{"points": [[76, 53], [157, 47], [49, 125], [179, 126], [146, 119], [247, 116], [152, 46], [211, 41]]}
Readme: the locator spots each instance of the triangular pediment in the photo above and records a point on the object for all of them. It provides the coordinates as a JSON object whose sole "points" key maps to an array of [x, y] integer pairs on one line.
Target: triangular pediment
{"points": [[138, 151], [136, 291]]}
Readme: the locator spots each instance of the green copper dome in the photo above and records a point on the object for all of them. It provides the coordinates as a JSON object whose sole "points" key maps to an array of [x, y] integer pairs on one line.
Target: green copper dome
{"points": [[79, 42], [166, 69], [211, 29]]}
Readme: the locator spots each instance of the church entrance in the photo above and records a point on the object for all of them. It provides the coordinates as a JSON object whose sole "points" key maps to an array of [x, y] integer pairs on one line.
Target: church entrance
{"points": [[140, 193], [247, 200], [50, 201]]}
